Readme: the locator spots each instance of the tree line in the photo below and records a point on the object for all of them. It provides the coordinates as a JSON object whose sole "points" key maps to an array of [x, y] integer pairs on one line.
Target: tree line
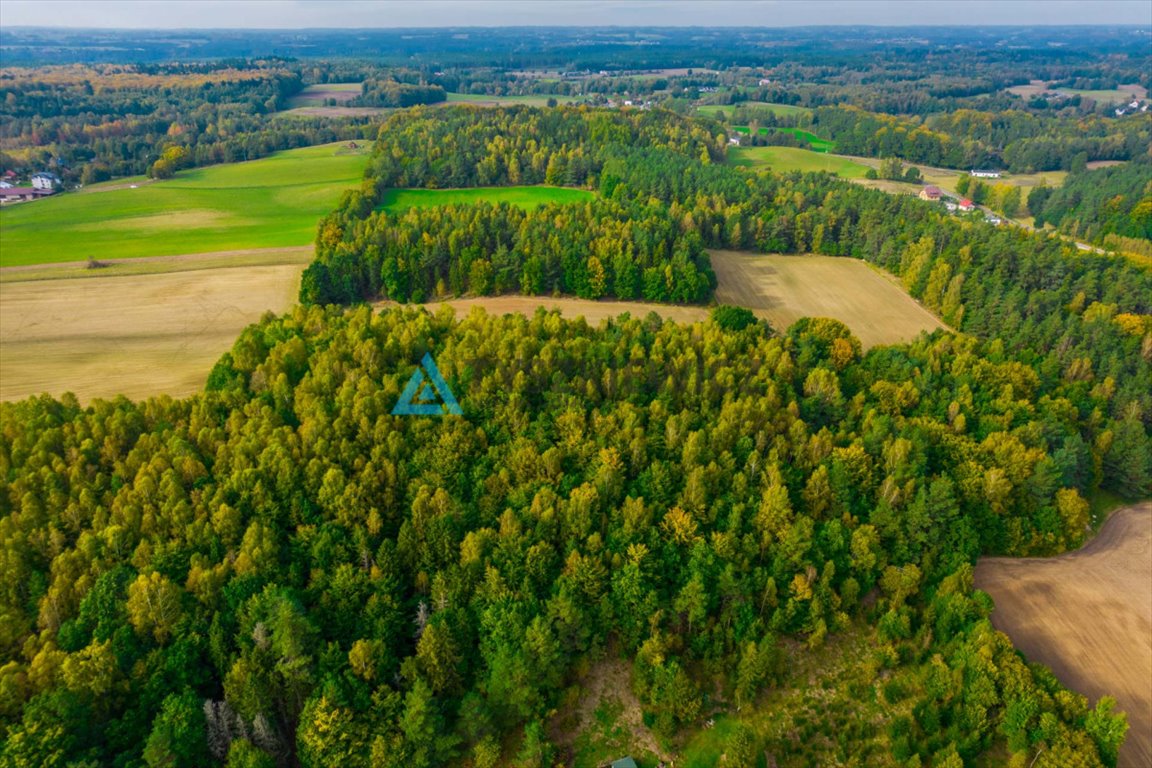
{"points": [[90, 125], [1010, 139]]}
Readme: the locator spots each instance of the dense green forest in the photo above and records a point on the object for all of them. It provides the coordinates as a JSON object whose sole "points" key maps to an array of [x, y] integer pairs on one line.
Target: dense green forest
{"points": [[1010, 139], [1106, 201], [90, 125], [279, 572]]}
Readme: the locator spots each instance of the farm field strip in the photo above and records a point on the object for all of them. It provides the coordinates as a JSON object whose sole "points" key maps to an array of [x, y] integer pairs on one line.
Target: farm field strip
{"points": [[316, 95], [533, 100], [779, 109], [1088, 616], [592, 311], [151, 265], [398, 200]]}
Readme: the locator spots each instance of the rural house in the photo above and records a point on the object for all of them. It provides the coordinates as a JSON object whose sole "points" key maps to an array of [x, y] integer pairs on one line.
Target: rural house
{"points": [[967, 205], [930, 192], [45, 181]]}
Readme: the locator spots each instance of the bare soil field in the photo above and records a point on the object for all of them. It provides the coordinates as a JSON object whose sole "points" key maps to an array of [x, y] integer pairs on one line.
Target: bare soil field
{"points": [[783, 289], [591, 311], [1088, 616], [137, 335]]}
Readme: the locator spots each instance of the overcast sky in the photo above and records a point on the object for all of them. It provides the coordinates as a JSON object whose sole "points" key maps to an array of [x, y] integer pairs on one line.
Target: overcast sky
{"points": [[296, 14]]}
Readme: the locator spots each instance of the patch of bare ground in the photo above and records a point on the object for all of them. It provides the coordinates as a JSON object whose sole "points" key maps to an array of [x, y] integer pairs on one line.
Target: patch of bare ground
{"points": [[607, 681], [1087, 615], [1093, 165]]}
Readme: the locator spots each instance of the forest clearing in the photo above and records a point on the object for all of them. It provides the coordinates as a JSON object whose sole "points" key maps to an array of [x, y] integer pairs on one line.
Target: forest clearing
{"points": [[783, 289]]}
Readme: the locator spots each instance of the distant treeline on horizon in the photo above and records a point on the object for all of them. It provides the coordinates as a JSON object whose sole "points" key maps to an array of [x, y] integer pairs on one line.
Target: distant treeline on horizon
{"points": [[571, 48]]}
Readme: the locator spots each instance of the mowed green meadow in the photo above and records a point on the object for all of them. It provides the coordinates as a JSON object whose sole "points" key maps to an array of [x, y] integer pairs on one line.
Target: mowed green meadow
{"points": [[399, 200], [784, 159], [273, 202]]}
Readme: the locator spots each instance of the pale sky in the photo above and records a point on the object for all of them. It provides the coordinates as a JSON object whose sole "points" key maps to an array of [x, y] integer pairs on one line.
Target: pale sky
{"points": [[300, 14]]}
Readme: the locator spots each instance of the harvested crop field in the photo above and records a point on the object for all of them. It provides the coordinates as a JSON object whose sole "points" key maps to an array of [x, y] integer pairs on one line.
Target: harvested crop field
{"points": [[318, 95], [1088, 616], [137, 335], [783, 289], [592, 311]]}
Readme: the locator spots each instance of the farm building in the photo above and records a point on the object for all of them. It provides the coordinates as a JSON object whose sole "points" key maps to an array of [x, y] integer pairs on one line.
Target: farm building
{"points": [[930, 192], [985, 174], [16, 194], [967, 205]]}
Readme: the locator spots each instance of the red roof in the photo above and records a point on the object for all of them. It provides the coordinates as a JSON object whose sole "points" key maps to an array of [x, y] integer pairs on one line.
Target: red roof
{"points": [[966, 203]]}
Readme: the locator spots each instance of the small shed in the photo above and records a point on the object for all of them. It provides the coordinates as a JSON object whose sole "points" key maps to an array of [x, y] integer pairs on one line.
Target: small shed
{"points": [[624, 762]]}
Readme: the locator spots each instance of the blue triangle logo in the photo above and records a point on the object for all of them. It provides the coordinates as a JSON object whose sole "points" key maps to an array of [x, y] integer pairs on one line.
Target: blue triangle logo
{"points": [[427, 393]]}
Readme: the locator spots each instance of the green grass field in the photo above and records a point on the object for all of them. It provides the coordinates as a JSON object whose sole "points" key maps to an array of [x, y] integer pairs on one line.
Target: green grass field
{"points": [[777, 109], [397, 200], [272, 202], [784, 159]]}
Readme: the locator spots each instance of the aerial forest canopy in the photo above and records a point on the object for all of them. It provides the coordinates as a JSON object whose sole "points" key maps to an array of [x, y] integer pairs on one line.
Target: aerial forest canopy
{"points": [[278, 571]]}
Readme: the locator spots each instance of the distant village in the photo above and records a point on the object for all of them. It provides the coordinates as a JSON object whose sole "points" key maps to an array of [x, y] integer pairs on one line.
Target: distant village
{"points": [[39, 185]]}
